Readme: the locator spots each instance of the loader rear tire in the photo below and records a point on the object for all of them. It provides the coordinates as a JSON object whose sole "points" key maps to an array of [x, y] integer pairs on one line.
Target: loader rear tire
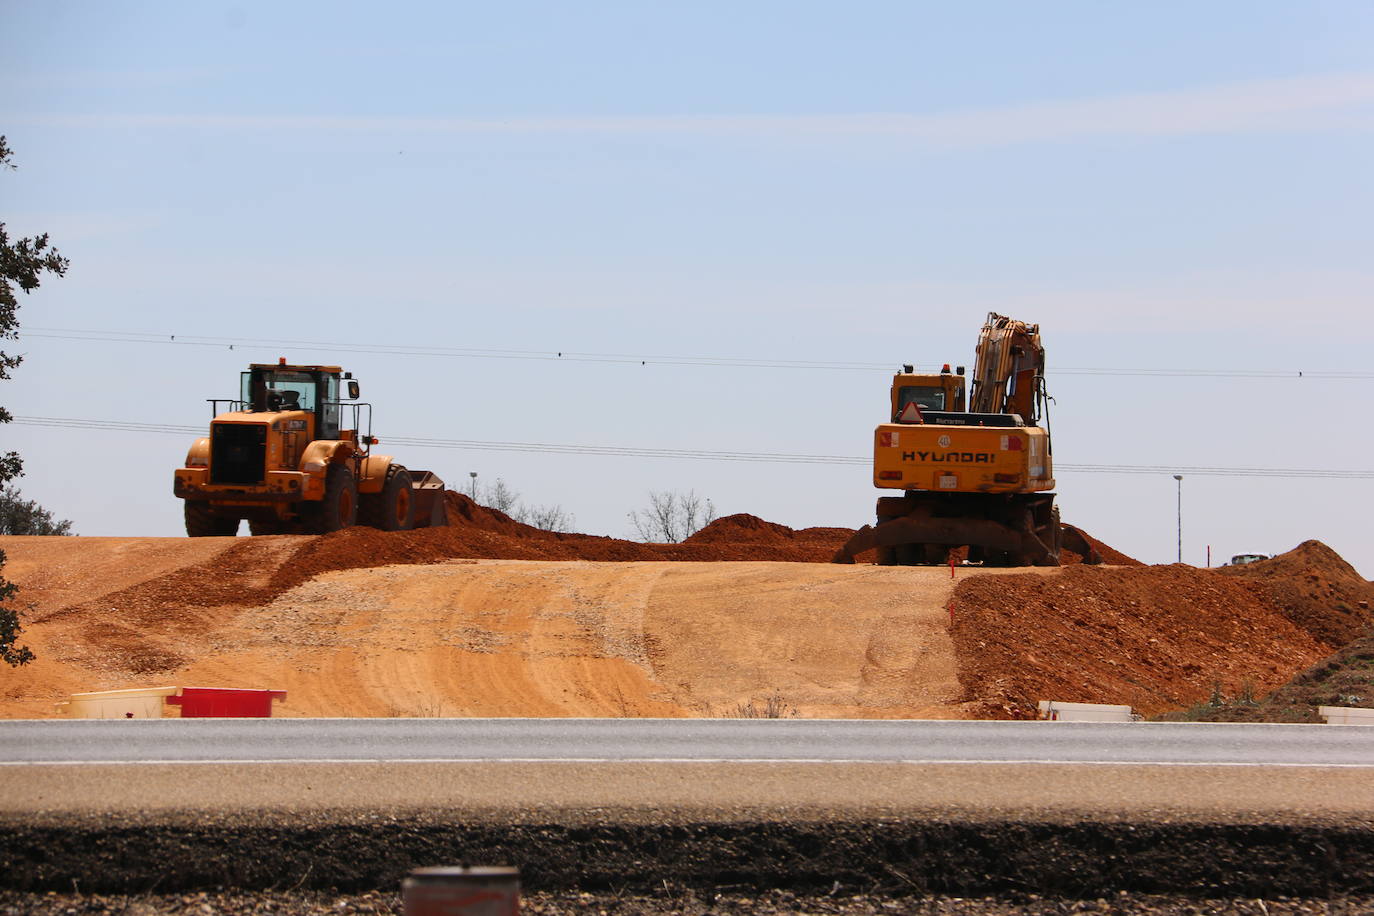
{"points": [[339, 508], [393, 509], [202, 523], [258, 529]]}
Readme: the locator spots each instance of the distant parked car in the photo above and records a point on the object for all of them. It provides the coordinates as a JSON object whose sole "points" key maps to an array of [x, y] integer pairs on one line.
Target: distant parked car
{"points": [[1241, 559]]}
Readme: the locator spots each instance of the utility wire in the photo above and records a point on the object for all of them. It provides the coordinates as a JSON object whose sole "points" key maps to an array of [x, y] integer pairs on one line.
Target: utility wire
{"points": [[607, 451], [639, 359], [448, 352]]}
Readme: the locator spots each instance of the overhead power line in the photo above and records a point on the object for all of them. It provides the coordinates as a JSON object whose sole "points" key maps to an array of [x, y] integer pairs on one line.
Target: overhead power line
{"points": [[613, 451], [444, 352], [636, 358]]}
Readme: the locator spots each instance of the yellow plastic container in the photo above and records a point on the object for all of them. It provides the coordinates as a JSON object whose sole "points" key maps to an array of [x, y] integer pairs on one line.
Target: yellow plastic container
{"points": [[137, 703]]}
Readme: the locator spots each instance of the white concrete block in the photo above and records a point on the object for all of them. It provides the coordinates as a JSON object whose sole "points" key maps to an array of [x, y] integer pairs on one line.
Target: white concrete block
{"points": [[138, 703], [1346, 715], [1057, 711]]}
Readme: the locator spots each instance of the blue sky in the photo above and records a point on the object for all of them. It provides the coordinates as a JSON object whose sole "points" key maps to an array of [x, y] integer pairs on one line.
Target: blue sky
{"points": [[1163, 187]]}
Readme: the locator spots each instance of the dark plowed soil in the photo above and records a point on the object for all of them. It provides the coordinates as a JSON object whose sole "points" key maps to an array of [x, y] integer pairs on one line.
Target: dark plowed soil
{"points": [[360, 853], [673, 902]]}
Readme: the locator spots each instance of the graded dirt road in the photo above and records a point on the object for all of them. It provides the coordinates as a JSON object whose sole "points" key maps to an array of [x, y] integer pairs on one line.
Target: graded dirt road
{"points": [[487, 637]]}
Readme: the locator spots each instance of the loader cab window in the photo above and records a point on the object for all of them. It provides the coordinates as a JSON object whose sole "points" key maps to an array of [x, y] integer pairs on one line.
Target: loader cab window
{"points": [[280, 390]]}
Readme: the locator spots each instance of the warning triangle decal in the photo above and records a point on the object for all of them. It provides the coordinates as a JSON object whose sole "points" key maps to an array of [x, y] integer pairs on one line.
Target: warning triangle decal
{"points": [[911, 413]]}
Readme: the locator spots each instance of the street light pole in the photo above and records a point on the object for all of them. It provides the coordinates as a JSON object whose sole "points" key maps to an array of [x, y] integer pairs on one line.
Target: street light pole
{"points": [[1179, 478]]}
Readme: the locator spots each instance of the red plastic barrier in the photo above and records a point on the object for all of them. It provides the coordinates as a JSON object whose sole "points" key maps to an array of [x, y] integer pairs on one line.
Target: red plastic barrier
{"points": [[225, 702]]}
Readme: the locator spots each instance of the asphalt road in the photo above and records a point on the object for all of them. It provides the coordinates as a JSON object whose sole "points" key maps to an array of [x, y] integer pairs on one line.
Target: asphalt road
{"points": [[679, 740]]}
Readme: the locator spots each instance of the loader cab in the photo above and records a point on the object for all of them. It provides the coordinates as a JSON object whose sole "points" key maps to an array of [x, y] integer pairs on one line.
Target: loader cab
{"points": [[942, 392], [310, 388]]}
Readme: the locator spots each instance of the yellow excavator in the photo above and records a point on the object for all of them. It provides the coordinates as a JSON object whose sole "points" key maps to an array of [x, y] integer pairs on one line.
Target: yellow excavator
{"points": [[293, 455], [976, 468]]}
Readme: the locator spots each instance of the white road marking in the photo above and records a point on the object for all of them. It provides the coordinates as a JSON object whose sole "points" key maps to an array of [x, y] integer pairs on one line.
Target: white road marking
{"points": [[675, 760]]}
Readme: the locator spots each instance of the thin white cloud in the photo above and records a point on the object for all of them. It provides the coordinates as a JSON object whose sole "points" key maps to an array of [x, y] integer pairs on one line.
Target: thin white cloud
{"points": [[1299, 103], [41, 81]]}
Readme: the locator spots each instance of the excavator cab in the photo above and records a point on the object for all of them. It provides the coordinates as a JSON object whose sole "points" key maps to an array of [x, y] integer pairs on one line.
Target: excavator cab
{"points": [[942, 392]]}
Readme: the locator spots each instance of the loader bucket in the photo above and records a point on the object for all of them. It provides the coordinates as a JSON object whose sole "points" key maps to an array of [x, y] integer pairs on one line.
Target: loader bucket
{"points": [[428, 492]]}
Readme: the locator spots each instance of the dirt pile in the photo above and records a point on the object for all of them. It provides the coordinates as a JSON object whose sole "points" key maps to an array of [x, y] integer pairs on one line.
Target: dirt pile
{"points": [[1110, 555], [479, 532], [1316, 589], [742, 528], [1156, 638]]}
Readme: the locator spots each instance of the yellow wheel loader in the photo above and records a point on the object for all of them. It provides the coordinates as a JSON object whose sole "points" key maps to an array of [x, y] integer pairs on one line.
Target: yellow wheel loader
{"points": [[976, 476], [292, 455]]}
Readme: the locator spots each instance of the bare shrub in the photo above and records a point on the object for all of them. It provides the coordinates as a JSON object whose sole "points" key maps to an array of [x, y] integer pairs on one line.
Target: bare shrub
{"points": [[672, 516], [775, 707], [501, 497]]}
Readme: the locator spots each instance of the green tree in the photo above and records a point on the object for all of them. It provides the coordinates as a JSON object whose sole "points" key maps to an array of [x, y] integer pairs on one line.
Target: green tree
{"points": [[24, 516], [22, 263]]}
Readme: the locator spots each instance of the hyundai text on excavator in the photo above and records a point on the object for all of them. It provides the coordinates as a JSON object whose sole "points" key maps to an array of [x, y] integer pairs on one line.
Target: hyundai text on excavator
{"points": [[978, 476], [283, 458]]}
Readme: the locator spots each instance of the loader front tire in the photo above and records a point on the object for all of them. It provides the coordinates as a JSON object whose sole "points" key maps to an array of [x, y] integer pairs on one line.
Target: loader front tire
{"points": [[393, 509], [202, 523], [339, 508]]}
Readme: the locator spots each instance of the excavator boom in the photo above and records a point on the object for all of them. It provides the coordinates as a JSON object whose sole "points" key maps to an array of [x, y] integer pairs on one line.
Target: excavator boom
{"points": [[1009, 370]]}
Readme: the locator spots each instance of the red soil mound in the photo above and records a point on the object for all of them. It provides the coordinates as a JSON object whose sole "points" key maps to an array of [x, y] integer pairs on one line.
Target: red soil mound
{"points": [[1155, 637], [742, 528], [1110, 555], [1316, 589], [475, 531]]}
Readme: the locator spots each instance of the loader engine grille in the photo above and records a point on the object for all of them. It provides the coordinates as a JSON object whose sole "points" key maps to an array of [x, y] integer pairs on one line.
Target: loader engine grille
{"points": [[238, 453]]}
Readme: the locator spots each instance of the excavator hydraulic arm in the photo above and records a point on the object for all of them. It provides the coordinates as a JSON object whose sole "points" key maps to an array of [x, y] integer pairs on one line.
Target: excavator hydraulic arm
{"points": [[1009, 361]]}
